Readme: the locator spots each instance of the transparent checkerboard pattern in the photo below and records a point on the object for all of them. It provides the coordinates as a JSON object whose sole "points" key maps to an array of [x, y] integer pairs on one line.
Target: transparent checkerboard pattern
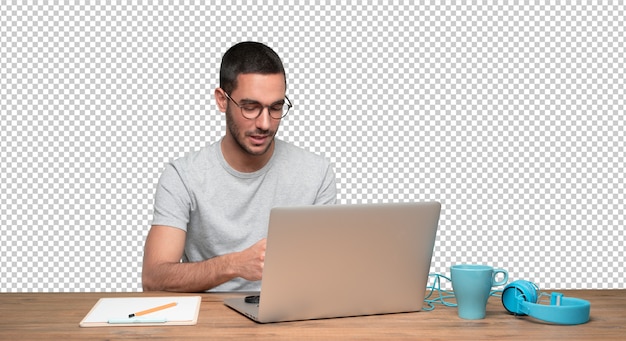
{"points": [[510, 115]]}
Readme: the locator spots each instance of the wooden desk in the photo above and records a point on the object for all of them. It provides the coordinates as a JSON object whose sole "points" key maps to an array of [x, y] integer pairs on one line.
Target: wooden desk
{"points": [[55, 316]]}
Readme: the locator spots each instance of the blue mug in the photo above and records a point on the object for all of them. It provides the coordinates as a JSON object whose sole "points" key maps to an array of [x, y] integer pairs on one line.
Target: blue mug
{"points": [[472, 285]]}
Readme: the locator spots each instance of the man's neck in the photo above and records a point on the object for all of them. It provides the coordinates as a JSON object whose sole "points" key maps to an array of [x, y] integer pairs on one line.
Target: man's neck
{"points": [[242, 161]]}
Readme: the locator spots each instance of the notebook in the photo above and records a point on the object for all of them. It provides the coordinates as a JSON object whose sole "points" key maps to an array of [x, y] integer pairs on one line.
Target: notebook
{"points": [[149, 311], [344, 260]]}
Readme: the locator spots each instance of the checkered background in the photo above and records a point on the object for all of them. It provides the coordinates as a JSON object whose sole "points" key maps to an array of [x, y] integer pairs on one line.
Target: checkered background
{"points": [[511, 115]]}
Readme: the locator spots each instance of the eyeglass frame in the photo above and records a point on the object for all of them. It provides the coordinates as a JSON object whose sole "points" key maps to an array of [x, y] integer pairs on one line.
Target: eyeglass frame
{"points": [[289, 106]]}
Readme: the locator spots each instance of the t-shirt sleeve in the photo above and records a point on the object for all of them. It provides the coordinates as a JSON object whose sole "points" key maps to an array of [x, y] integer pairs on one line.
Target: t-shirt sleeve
{"points": [[172, 201], [327, 194]]}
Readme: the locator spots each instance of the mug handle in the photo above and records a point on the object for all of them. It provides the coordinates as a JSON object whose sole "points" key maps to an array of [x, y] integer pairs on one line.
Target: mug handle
{"points": [[503, 280]]}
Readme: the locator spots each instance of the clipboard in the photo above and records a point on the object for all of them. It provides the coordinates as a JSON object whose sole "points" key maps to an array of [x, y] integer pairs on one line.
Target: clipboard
{"points": [[115, 311]]}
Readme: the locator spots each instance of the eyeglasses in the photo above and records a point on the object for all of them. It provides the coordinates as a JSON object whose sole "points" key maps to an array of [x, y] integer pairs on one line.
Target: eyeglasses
{"points": [[253, 110]]}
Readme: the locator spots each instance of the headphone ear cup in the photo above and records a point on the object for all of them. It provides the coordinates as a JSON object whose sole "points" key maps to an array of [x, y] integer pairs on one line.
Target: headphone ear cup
{"points": [[516, 293]]}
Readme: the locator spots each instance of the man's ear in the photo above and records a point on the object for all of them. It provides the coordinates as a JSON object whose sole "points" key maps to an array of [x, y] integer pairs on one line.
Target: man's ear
{"points": [[221, 99]]}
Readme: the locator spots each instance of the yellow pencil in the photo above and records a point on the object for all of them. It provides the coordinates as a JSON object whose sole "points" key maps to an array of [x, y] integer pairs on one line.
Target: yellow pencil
{"points": [[152, 310]]}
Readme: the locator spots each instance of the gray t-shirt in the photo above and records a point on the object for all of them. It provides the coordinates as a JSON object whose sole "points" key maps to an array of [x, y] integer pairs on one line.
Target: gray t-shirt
{"points": [[223, 210]]}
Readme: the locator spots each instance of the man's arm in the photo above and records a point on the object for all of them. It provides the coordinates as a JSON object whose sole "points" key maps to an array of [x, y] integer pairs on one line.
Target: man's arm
{"points": [[327, 194], [163, 271]]}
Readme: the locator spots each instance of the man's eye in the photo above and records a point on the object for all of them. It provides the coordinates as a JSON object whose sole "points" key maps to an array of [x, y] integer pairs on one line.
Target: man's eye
{"points": [[250, 107]]}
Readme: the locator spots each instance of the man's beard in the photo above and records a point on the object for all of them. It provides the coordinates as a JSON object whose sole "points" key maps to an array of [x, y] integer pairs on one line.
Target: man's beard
{"points": [[234, 130]]}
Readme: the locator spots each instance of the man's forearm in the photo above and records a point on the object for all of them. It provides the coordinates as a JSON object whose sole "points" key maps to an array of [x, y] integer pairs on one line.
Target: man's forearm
{"points": [[189, 277]]}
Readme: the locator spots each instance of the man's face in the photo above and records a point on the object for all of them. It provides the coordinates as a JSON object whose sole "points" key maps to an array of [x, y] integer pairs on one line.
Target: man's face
{"points": [[254, 136]]}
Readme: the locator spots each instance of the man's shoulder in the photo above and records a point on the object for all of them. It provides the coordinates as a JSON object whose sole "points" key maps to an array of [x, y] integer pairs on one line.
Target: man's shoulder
{"points": [[195, 159], [291, 152]]}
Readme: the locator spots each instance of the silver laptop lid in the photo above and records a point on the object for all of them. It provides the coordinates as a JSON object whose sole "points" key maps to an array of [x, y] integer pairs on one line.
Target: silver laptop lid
{"points": [[347, 260]]}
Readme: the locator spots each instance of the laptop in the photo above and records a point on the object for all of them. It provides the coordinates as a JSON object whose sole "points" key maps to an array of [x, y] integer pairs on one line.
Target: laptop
{"points": [[344, 260]]}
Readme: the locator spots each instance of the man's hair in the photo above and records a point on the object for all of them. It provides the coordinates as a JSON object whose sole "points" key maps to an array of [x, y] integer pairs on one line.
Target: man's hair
{"points": [[248, 57]]}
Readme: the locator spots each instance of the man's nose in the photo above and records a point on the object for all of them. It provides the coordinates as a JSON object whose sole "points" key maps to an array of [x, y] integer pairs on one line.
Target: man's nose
{"points": [[264, 121]]}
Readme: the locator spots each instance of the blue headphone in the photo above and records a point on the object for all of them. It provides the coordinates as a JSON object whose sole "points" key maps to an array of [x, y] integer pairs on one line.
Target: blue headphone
{"points": [[520, 298]]}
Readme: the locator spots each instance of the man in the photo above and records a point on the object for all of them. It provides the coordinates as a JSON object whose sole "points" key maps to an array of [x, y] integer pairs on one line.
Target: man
{"points": [[212, 207]]}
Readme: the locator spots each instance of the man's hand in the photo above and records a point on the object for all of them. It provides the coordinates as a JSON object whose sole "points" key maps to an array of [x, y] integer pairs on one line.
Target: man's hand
{"points": [[249, 262]]}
